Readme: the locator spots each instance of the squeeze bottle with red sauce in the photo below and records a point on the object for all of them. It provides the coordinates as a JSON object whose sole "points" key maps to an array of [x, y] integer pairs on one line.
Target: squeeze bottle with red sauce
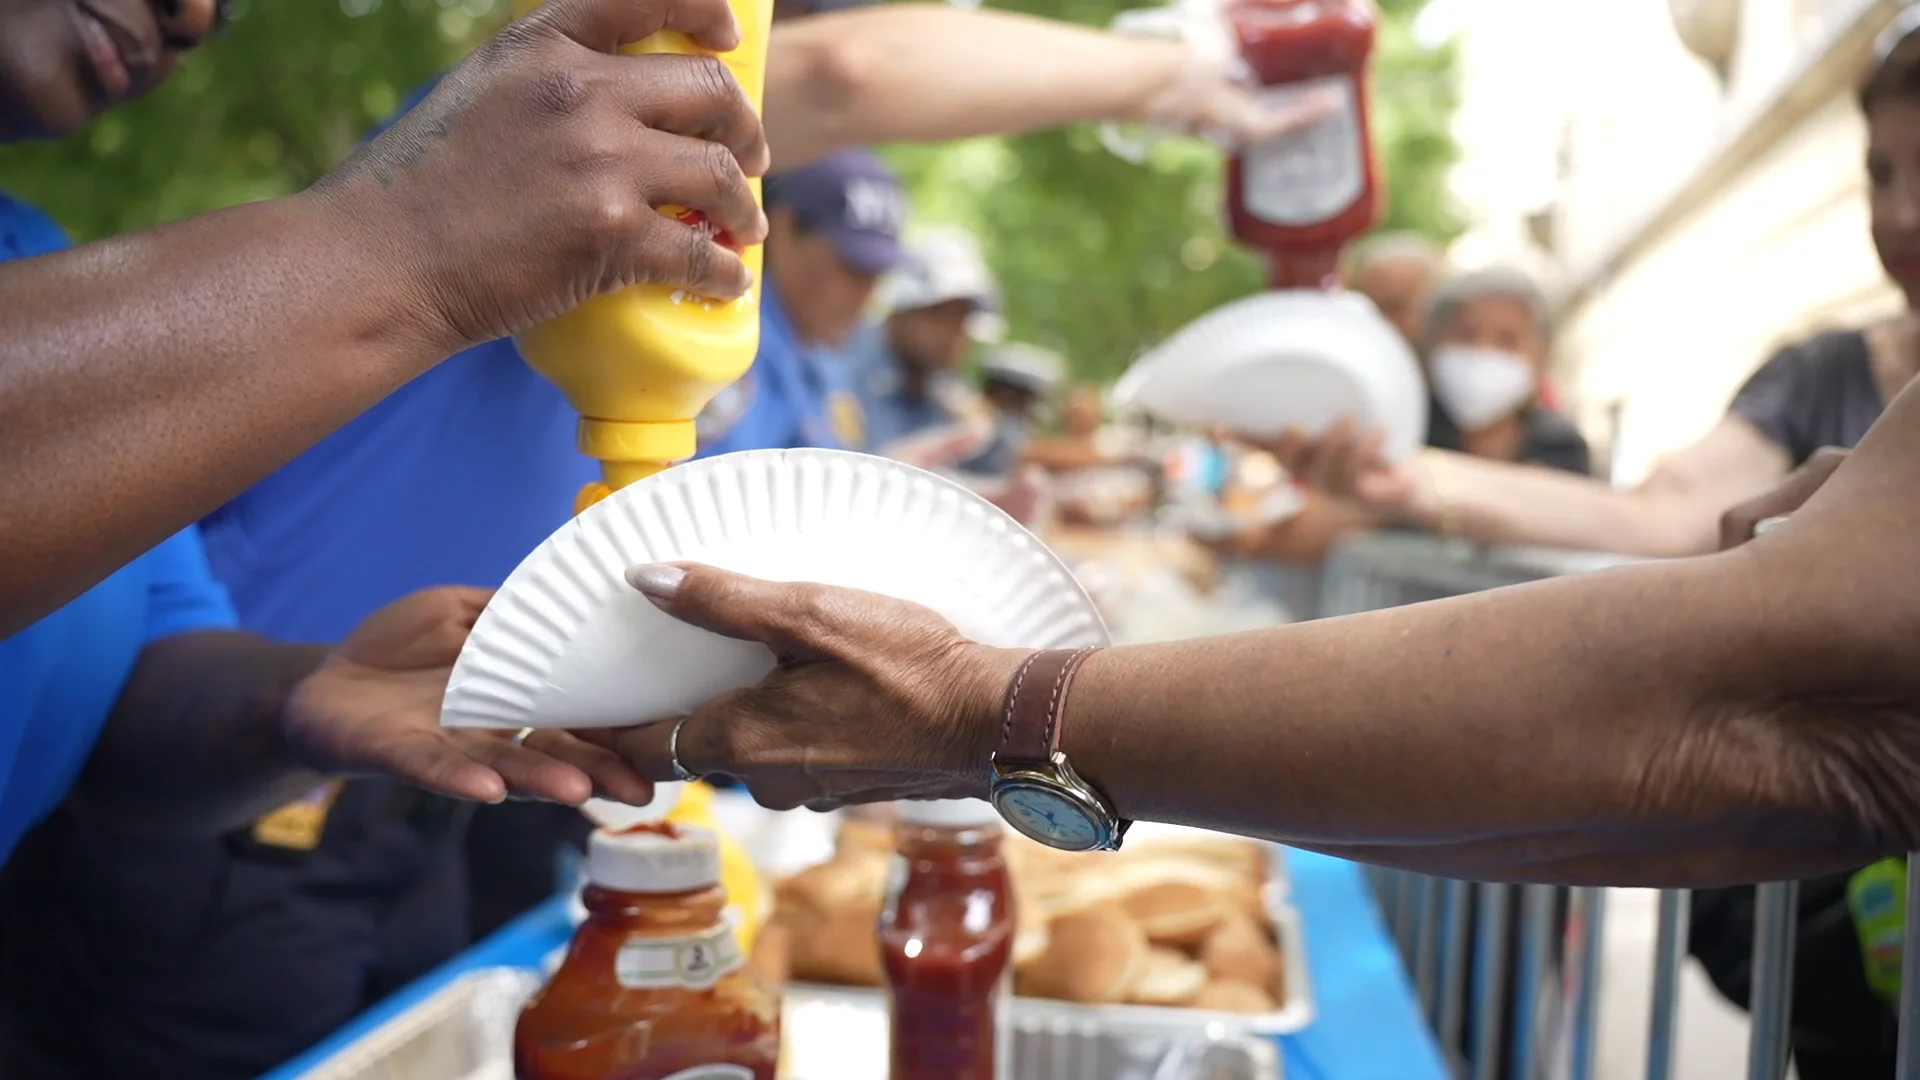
{"points": [[946, 936], [1301, 198], [654, 986]]}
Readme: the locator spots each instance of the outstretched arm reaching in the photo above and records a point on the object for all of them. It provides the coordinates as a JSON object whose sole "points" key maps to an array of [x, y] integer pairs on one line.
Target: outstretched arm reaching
{"points": [[1749, 715], [931, 72]]}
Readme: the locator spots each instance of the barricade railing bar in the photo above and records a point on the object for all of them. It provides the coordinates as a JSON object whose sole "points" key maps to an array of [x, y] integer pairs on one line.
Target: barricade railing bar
{"points": [[1510, 978]]}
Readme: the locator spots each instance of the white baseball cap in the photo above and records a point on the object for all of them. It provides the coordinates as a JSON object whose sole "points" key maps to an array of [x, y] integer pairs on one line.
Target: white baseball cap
{"points": [[1029, 367], [943, 265]]}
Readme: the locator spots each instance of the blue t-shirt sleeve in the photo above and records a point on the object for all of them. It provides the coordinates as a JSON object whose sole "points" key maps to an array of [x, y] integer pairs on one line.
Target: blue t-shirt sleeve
{"points": [[182, 593]]}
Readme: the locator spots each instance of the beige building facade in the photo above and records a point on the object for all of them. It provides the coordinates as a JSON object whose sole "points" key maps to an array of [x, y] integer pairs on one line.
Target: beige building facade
{"points": [[1708, 201]]}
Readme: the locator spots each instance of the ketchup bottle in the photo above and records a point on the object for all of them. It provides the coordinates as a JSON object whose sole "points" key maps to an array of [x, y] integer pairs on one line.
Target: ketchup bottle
{"points": [[1301, 198], [946, 934], [654, 986]]}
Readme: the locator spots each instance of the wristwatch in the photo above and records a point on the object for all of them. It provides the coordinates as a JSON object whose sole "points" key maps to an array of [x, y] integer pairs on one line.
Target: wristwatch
{"points": [[1034, 786]]}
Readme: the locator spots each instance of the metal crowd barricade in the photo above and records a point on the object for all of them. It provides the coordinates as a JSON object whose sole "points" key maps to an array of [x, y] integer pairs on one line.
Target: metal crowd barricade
{"points": [[1504, 1002]]}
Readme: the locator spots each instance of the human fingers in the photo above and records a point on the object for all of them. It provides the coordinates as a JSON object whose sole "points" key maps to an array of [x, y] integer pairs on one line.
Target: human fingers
{"points": [[1738, 525], [605, 25], [528, 769]]}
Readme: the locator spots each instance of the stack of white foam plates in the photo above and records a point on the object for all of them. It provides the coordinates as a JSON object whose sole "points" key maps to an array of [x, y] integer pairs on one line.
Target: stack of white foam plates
{"points": [[567, 643], [1292, 359]]}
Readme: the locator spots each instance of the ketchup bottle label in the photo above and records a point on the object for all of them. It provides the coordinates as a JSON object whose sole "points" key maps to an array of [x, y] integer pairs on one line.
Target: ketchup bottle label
{"points": [[1309, 176], [695, 962]]}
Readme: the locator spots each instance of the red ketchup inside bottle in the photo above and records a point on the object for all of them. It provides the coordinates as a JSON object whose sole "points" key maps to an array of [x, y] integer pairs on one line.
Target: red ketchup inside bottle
{"points": [[946, 935], [699, 221], [654, 986], [1301, 198]]}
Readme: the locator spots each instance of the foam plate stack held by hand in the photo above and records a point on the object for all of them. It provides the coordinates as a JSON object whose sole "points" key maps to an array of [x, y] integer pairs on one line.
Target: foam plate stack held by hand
{"points": [[566, 643], [1291, 359]]}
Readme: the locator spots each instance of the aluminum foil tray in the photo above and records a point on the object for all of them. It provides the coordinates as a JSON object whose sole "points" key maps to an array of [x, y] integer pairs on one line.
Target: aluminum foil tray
{"points": [[465, 1032], [835, 1033], [1295, 1013]]}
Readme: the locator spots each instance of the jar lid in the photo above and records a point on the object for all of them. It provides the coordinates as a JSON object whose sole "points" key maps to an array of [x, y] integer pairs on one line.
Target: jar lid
{"points": [[654, 859], [948, 813]]}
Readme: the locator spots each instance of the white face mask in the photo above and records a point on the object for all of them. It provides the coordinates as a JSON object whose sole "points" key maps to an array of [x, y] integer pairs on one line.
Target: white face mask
{"points": [[1480, 386]]}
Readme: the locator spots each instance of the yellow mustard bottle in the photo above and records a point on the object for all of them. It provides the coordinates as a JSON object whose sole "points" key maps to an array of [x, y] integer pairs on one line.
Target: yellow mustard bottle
{"points": [[745, 891], [640, 364]]}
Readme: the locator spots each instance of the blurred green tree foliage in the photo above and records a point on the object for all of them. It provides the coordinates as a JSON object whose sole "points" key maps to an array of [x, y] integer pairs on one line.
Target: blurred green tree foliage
{"points": [[1099, 258], [265, 109]]}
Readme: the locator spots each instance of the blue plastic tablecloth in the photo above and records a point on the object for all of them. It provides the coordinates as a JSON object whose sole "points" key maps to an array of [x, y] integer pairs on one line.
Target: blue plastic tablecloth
{"points": [[1368, 1025]]}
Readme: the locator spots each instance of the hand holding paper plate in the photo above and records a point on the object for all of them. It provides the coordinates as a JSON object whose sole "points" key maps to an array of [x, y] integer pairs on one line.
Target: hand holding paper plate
{"points": [[1297, 358], [566, 643]]}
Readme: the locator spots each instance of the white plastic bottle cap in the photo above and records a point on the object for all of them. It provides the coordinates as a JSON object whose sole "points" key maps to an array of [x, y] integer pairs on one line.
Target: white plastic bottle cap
{"points": [[948, 813], [654, 862], [618, 815]]}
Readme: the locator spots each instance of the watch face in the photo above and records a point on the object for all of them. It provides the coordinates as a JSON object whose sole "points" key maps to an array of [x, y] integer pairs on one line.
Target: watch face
{"points": [[1048, 816]]}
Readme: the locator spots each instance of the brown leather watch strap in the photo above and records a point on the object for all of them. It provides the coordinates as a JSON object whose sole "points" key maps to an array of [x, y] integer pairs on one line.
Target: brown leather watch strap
{"points": [[1036, 701]]}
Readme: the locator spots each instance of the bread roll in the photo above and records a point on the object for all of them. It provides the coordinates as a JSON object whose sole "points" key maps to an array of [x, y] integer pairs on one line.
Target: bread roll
{"points": [[1242, 950], [1096, 956], [1171, 978], [864, 835], [772, 958], [1175, 913], [1234, 996], [831, 911]]}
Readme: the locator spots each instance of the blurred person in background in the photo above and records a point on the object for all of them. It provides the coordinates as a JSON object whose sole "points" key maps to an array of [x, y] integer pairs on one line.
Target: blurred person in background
{"points": [[1488, 342], [1825, 391], [265, 939], [1485, 341], [138, 707], [1398, 272], [1084, 440], [833, 228], [906, 366], [1017, 380]]}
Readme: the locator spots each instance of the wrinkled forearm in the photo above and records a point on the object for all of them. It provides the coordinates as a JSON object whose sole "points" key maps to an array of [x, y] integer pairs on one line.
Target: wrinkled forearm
{"points": [[1691, 723], [195, 741], [146, 380], [933, 72], [1499, 503]]}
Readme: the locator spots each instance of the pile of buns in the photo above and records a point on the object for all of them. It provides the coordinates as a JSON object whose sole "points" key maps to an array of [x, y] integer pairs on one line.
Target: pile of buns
{"points": [[1176, 923]]}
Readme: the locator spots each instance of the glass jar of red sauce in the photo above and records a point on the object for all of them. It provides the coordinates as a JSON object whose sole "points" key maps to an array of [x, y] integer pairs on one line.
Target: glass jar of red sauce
{"points": [[654, 986], [1301, 198], [946, 935]]}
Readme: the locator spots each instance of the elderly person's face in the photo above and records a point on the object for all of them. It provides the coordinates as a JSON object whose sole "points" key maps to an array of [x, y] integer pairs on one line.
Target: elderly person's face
{"points": [[1485, 360], [1399, 286], [1496, 323]]}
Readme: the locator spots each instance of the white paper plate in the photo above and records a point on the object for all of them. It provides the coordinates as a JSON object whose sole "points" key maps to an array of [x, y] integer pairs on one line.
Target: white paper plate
{"points": [[567, 643], [1295, 358]]}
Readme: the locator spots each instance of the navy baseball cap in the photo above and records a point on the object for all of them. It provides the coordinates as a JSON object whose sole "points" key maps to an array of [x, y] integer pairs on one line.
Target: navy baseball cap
{"points": [[854, 200]]}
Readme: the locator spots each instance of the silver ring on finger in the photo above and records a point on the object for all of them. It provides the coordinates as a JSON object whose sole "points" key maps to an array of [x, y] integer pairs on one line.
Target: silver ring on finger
{"points": [[520, 737], [680, 772]]}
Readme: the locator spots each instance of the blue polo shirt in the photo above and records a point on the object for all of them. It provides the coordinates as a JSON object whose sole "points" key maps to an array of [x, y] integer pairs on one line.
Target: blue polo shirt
{"points": [[60, 677], [795, 395], [450, 481]]}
